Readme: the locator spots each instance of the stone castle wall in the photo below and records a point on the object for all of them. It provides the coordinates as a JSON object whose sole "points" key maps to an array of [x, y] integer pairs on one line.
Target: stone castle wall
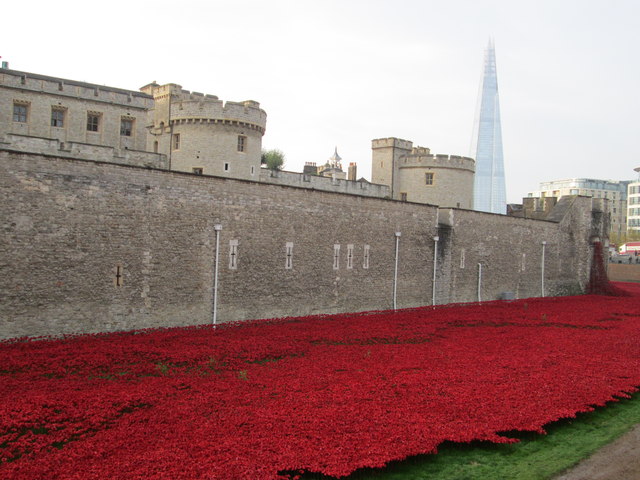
{"points": [[100, 153], [91, 247], [507, 254], [317, 182]]}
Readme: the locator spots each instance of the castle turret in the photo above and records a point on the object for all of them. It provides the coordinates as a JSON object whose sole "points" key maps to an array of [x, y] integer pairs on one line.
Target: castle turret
{"points": [[202, 134], [417, 175], [385, 155]]}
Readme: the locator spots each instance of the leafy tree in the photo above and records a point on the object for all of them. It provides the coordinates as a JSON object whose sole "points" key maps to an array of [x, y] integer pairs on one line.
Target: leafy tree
{"points": [[273, 159]]}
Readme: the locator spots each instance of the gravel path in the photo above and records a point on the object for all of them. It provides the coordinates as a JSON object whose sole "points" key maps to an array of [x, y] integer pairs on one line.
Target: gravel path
{"points": [[619, 460]]}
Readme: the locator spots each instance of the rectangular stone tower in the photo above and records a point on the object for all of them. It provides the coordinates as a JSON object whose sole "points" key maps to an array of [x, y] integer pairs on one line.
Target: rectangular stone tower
{"points": [[384, 161]]}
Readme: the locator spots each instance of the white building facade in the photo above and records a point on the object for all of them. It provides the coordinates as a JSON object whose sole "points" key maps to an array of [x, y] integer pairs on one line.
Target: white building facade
{"points": [[614, 191], [633, 205]]}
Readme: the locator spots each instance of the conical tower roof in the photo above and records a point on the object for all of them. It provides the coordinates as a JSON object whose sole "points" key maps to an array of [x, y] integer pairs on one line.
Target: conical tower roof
{"points": [[335, 158]]}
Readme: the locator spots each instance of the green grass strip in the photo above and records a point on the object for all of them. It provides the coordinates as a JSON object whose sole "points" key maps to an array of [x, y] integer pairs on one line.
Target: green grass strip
{"points": [[535, 457]]}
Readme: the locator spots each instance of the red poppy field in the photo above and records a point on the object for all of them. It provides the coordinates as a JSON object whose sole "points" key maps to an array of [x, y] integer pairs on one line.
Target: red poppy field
{"points": [[269, 399]]}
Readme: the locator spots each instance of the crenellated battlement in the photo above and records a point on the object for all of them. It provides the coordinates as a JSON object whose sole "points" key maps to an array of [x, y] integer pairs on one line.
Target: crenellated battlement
{"points": [[61, 87], [391, 142], [422, 157], [195, 107]]}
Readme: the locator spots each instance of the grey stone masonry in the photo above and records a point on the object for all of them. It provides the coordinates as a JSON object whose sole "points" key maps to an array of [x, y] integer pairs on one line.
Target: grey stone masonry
{"points": [[100, 153], [328, 184], [93, 247]]}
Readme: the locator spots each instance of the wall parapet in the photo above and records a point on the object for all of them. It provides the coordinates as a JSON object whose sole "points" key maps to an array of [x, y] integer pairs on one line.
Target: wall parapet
{"points": [[196, 107], [421, 157], [71, 88], [83, 151], [217, 110], [391, 142], [328, 184]]}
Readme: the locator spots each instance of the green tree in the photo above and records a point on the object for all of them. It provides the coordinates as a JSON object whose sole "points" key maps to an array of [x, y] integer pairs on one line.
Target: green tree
{"points": [[273, 159]]}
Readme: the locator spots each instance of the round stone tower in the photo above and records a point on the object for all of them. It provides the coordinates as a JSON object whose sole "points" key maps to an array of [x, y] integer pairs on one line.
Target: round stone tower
{"points": [[201, 134], [416, 175]]}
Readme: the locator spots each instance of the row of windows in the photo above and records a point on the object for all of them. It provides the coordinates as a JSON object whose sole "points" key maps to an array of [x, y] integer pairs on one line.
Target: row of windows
{"points": [[635, 212], [366, 254], [288, 263], [58, 119], [575, 191], [288, 258], [366, 251], [634, 201]]}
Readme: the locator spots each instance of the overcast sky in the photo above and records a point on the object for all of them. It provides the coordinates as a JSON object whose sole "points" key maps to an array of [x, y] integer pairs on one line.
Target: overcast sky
{"points": [[343, 72]]}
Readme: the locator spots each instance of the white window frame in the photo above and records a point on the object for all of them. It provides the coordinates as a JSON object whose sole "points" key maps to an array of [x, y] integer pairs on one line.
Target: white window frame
{"points": [[349, 257], [288, 259], [233, 254], [365, 257]]}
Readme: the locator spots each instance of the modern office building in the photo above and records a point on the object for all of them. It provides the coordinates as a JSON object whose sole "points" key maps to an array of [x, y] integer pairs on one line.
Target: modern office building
{"points": [[633, 205], [489, 185], [614, 191]]}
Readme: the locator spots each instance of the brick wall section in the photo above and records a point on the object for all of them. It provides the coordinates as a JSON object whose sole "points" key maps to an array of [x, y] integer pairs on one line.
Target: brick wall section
{"points": [[69, 224]]}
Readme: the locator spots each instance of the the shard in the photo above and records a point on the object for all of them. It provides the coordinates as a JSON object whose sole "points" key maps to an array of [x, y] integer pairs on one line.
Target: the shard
{"points": [[489, 193]]}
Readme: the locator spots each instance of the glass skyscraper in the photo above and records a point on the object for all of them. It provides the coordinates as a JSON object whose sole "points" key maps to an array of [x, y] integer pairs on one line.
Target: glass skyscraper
{"points": [[489, 193]]}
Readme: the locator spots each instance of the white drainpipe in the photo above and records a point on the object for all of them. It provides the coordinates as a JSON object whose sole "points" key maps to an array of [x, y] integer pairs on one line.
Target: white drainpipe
{"points": [[395, 274], [479, 281], [435, 264], [544, 244], [217, 227]]}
